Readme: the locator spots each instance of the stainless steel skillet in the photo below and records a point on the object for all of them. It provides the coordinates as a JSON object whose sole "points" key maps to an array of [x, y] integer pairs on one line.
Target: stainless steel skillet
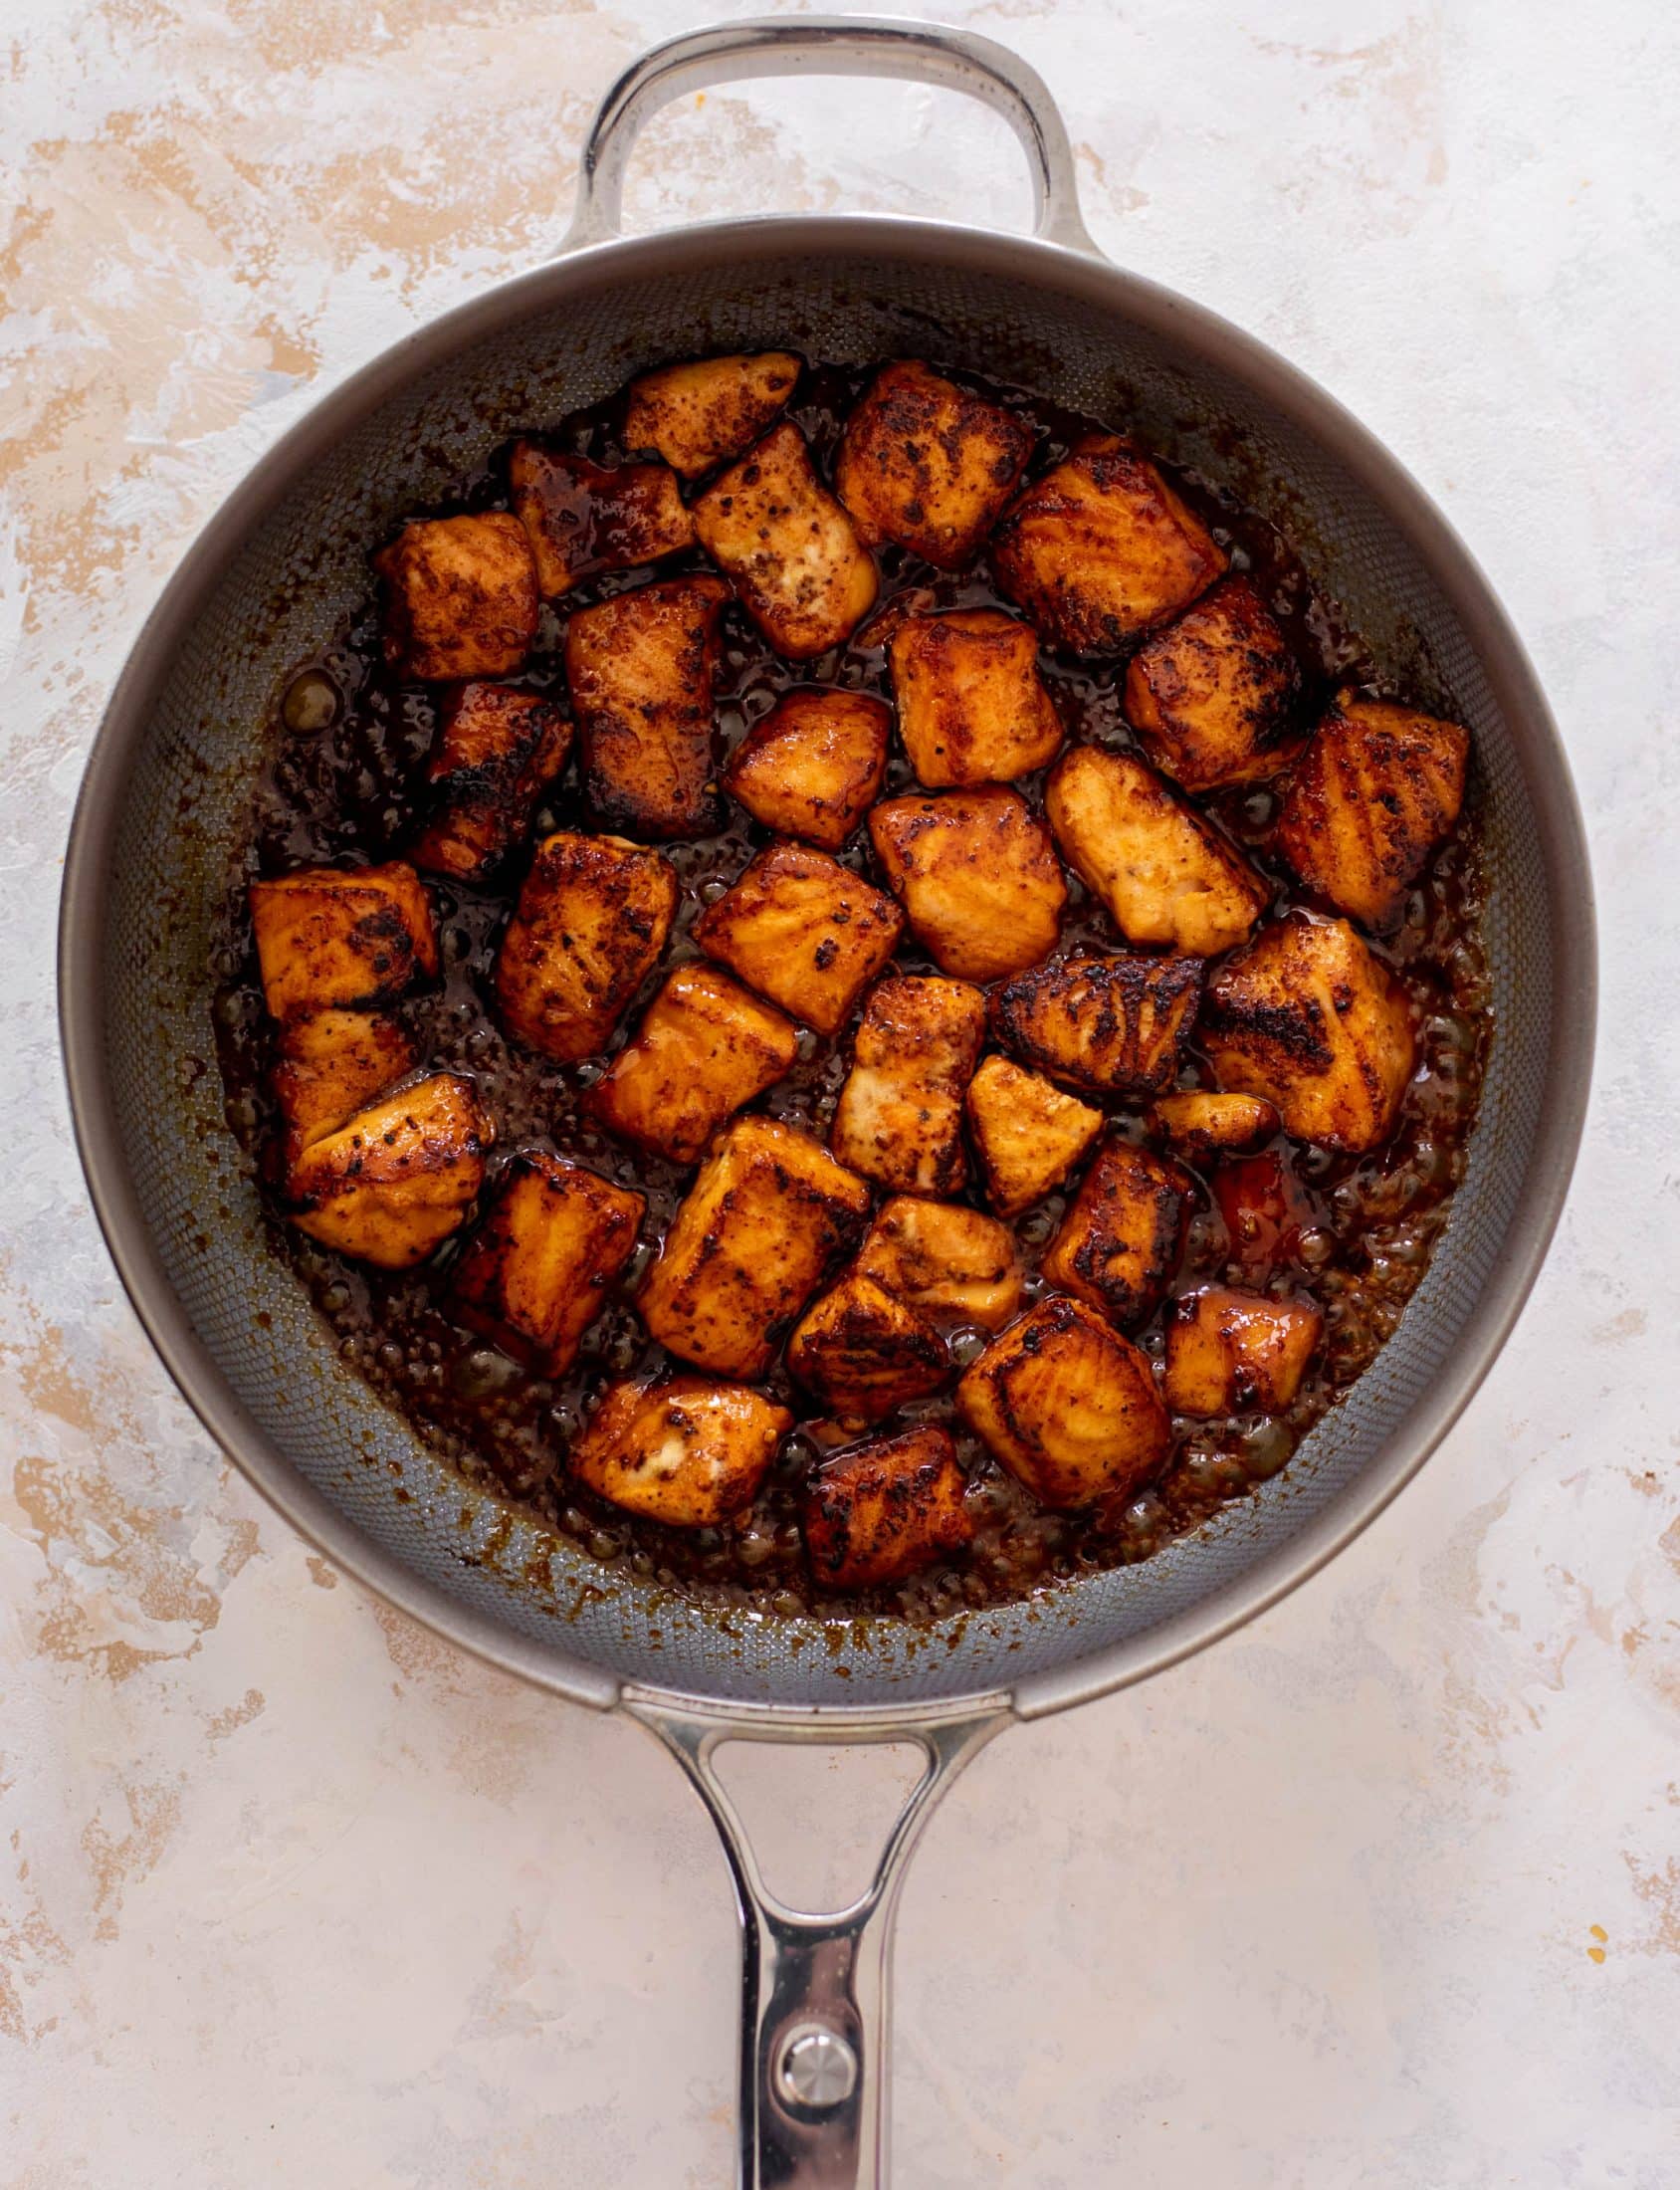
{"points": [[164, 809]]}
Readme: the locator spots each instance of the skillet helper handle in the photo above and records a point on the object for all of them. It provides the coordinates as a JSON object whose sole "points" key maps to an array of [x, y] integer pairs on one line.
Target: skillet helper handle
{"points": [[830, 45], [815, 1986]]}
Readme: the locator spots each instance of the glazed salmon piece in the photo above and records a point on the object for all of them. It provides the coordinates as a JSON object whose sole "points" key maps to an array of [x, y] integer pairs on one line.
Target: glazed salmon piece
{"points": [[460, 597], [687, 1452], [391, 1185], [641, 668], [788, 546], [928, 464], [1101, 549], [703, 413], [589, 928], [536, 1273], [341, 939], [881, 1511]]}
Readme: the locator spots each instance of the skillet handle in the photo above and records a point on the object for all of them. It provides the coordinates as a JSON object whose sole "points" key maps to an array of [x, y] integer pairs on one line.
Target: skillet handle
{"points": [[815, 1986], [831, 45]]}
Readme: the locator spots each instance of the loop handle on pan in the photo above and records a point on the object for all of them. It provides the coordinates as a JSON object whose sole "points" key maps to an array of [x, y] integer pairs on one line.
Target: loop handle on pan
{"points": [[815, 1986], [830, 45]]}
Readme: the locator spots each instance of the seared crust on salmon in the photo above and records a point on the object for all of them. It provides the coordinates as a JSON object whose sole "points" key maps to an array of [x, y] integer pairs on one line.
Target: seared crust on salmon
{"points": [[804, 931], [1119, 1243], [1101, 549], [1306, 1017], [1228, 1352], [768, 1214], [686, 1450], [1213, 696], [392, 1183], [899, 1120], [1166, 876], [582, 517], [978, 875], [341, 939], [589, 928], [880, 1510], [813, 766], [1377, 791], [788, 546], [972, 708], [1115, 1025], [703, 413], [460, 597], [705, 1049], [928, 465], [534, 1274], [641, 668], [1068, 1405]]}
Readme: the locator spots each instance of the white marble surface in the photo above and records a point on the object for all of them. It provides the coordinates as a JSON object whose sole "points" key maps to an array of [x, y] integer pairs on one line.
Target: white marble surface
{"points": [[290, 1892]]}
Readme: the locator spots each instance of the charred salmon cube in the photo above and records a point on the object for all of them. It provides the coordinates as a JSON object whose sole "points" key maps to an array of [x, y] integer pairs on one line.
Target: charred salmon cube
{"points": [[497, 751], [972, 708], [881, 1511], [333, 939], [803, 931], [1377, 791], [590, 924], [862, 1352], [1202, 1123], [1165, 875], [1230, 1351], [1306, 1018], [1101, 549], [685, 1451], [583, 517], [393, 1183], [788, 546], [1115, 1025], [534, 1274], [1027, 1132], [928, 465], [978, 878], [460, 597], [700, 414], [1121, 1241], [705, 1049], [767, 1215], [641, 668], [331, 1065], [1068, 1405], [899, 1120], [949, 1263], [1214, 695], [813, 767]]}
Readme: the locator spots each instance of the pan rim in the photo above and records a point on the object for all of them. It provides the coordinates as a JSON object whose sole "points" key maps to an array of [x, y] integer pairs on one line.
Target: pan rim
{"points": [[1377, 474]]}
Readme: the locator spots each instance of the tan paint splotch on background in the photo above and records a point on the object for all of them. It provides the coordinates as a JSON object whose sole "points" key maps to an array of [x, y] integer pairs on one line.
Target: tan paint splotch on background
{"points": [[122, 1853], [1394, 152], [31, 1948], [125, 1574], [1658, 1888], [184, 247]]}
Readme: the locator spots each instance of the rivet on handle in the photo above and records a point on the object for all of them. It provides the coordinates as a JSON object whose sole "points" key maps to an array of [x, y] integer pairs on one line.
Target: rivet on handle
{"points": [[817, 2069]]}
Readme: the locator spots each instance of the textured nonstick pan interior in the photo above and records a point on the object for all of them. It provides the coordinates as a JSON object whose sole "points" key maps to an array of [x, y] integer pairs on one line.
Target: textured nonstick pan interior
{"points": [[170, 815]]}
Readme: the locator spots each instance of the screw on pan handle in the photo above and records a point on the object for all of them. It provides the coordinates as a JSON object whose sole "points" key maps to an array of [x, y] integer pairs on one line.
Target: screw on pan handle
{"points": [[815, 1984], [830, 45]]}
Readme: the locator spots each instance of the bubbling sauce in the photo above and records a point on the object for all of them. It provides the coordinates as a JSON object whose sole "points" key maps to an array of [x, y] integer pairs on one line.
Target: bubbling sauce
{"points": [[344, 784]]}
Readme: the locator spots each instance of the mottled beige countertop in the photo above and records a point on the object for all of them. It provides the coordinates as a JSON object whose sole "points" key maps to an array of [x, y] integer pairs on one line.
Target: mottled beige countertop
{"points": [[1384, 1891]]}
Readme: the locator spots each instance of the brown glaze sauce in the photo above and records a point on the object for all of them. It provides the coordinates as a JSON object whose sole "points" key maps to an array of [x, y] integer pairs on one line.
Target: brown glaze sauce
{"points": [[345, 784]]}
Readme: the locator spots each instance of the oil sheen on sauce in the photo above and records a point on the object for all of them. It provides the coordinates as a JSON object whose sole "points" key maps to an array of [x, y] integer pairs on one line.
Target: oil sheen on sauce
{"points": [[344, 784]]}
